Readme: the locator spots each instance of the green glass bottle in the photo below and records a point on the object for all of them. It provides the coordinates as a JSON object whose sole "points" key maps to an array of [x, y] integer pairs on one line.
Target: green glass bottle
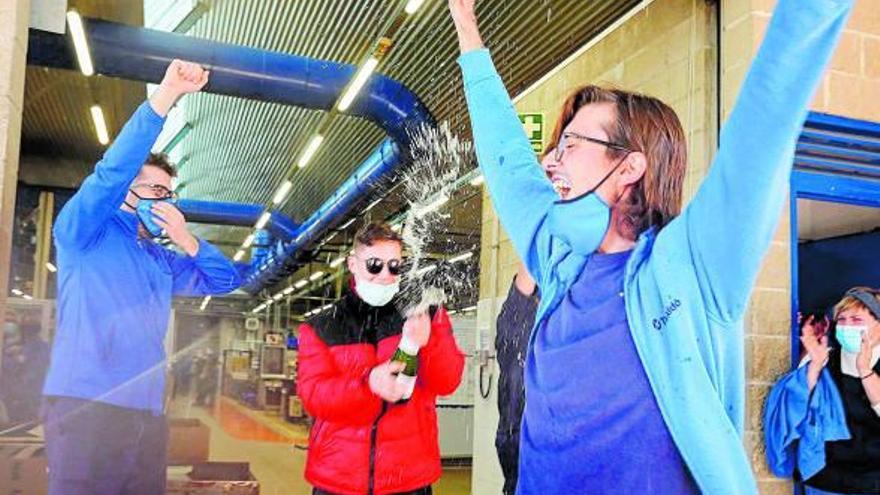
{"points": [[407, 353]]}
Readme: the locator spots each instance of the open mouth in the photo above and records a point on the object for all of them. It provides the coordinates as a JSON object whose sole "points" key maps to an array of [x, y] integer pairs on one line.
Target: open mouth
{"points": [[561, 185]]}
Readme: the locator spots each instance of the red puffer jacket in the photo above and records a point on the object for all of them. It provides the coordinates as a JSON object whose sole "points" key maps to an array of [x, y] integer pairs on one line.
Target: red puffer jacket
{"points": [[360, 444]]}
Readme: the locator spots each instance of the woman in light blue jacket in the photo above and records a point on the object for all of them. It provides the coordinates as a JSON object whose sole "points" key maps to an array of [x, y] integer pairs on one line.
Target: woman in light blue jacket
{"points": [[634, 374]]}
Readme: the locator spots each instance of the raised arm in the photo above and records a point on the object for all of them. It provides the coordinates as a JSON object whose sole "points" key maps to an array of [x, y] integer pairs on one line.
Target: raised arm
{"points": [[521, 194], [101, 194], [730, 222]]}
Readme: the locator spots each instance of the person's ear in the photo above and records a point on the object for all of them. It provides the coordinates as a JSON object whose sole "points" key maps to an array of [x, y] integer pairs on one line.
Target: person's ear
{"points": [[633, 168]]}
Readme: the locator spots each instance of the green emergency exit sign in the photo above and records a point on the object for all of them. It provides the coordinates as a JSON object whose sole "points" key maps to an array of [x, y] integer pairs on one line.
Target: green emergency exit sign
{"points": [[533, 124]]}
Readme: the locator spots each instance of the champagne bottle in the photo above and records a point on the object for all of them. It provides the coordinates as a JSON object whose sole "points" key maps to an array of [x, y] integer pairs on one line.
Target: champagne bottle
{"points": [[407, 353]]}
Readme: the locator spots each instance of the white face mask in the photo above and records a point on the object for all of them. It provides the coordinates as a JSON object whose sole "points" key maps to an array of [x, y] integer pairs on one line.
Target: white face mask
{"points": [[376, 294]]}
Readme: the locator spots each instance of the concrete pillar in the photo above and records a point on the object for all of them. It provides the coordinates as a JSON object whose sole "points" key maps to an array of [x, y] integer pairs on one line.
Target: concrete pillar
{"points": [[13, 49]]}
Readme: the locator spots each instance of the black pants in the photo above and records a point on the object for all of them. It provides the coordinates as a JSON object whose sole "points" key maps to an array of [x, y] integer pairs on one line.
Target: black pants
{"points": [[98, 449], [507, 446], [421, 491]]}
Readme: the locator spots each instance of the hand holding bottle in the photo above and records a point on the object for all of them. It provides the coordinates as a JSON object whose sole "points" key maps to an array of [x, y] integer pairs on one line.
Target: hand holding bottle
{"points": [[383, 381]]}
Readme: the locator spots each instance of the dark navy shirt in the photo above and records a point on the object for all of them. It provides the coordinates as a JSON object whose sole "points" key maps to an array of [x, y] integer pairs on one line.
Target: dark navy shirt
{"points": [[600, 430], [515, 322]]}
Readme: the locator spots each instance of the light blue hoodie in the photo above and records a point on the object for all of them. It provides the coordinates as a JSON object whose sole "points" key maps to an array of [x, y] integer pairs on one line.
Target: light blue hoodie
{"points": [[798, 422], [687, 286]]}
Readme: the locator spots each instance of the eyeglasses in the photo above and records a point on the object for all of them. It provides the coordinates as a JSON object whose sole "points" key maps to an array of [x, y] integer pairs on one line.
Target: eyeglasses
{"points": [[158, 191], [560, 147], [375, 266]]}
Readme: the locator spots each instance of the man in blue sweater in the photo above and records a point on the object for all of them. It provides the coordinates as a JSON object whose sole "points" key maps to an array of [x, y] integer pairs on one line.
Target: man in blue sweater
{"points": [[634, 374], [105, 429]]}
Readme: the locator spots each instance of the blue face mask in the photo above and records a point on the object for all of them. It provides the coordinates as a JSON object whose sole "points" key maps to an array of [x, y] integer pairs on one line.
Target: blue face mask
{"points": [[850, 337], [582, 222], [145, 215]]}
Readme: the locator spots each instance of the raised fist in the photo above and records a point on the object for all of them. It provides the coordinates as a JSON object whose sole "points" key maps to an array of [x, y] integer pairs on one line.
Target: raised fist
{"points": [[185, 77]]}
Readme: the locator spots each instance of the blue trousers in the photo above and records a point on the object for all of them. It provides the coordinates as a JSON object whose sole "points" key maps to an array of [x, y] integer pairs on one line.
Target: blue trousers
{"points": [[98, 449]]}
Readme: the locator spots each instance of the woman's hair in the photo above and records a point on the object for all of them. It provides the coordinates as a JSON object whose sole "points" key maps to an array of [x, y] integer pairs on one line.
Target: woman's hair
{"points": [[647, 125], [851, 302]]}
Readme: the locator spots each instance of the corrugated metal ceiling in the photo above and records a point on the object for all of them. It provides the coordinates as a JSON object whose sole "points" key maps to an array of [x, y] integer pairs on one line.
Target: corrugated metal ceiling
{"points": [[227, 162], [238, 150], [56, 121]]}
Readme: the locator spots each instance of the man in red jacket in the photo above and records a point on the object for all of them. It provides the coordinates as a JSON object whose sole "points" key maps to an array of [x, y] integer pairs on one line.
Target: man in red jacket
{"points": [[373, 434]]}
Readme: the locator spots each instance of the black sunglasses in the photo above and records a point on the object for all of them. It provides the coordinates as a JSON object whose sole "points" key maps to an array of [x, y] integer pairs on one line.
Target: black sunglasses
{"points": [[375, 265]]}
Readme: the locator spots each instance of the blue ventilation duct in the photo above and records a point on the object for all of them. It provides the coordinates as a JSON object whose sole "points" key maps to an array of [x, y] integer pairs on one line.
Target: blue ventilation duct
{"points": [[373, 169], [263, 248], [142, 54], [239, 214]]}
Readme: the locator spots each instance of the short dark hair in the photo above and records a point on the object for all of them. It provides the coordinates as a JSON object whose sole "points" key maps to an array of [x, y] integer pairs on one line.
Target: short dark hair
{"points": [[375, 232], [161, 161]]}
